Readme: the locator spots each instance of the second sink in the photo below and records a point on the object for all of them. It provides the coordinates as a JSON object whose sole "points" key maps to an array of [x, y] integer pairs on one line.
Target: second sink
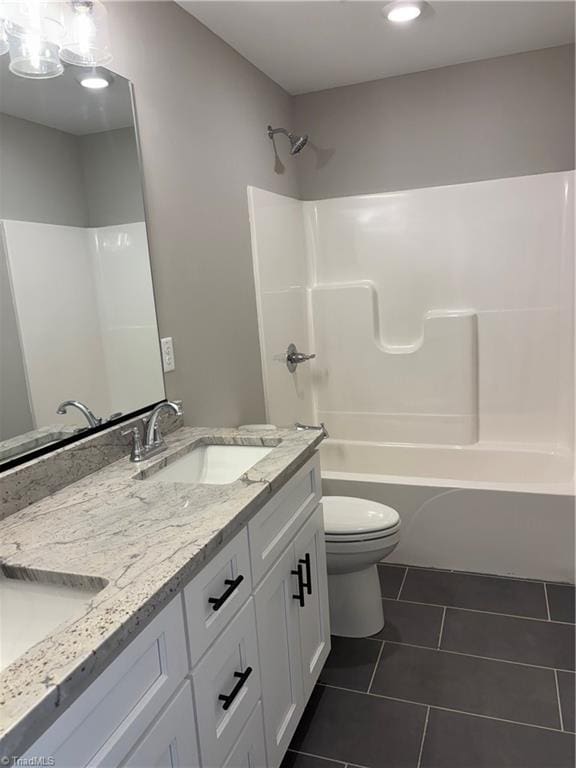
{"points": [[210, 464]]}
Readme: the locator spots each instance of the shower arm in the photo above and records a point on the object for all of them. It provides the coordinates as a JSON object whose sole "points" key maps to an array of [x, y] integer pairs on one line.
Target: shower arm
{"points": [[273, 131]]}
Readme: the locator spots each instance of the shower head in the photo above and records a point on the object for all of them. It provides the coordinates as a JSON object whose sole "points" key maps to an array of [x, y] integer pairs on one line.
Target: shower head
{"points": [[297, 143]]}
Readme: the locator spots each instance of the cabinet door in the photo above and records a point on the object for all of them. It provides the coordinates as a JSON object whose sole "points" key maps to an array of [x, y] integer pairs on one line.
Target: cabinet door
{"points": [[280, 662], [310, 552], [171, 741], [249, 751]]}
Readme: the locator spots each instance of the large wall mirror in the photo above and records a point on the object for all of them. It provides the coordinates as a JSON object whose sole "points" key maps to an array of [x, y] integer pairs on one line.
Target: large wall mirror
{"points": [[77, 313]]}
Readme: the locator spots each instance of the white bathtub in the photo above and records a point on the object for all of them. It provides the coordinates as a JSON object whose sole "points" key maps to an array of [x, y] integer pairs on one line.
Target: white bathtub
{"points": [[471, 466], [476, 508]]}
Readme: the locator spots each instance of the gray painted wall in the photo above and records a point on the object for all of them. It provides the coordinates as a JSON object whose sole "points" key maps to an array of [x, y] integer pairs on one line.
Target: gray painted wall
{"points": [[202, 114], [58, 178], [509, 116], [111, 177], [41, 177], [15, 411], [203, 111]]}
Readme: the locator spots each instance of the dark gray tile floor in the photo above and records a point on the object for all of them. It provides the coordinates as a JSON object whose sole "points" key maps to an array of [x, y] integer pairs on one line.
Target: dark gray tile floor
{"points": [[561, 602], [469, 672]]}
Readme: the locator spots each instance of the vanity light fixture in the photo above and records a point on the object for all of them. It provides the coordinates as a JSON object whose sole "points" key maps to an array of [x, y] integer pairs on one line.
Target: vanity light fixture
{"points": [[41, 34], [87, 43], [403, 11], [3, 39], [33, 31]]}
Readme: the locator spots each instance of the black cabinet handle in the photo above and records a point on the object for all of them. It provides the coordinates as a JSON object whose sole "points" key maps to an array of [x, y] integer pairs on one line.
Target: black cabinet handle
{"points": [[308, 584], [232, 584], [300, 595], [229, 698]]}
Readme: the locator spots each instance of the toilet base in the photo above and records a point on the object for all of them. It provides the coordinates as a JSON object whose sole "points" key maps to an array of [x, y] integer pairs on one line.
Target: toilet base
{"points": [[355, 603]]}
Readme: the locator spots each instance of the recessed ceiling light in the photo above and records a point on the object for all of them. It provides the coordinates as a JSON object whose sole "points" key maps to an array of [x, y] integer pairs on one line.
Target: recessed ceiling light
{"points": [[95, 79], [94, 83], [401, 12]]}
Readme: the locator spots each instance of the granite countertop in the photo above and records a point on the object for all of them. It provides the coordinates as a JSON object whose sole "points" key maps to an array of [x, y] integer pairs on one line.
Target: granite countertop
{"points": [[144, 541]]}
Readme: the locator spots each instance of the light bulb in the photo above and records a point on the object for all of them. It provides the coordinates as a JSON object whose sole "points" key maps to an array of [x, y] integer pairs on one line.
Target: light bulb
{"points": [[400, 13], [94, 83], [87, 43]]}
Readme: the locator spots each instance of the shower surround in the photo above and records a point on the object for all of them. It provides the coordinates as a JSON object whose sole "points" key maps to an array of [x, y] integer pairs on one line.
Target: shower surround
{"points": [[442, 321]]}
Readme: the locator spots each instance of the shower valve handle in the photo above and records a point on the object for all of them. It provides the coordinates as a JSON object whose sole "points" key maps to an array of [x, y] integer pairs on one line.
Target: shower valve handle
{"points": [[294, 358]]}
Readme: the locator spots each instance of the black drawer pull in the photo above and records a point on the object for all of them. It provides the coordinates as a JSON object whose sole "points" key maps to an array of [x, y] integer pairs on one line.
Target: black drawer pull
{"points": [[300, 595], [242, 677], [232, 584], [308, 584]]}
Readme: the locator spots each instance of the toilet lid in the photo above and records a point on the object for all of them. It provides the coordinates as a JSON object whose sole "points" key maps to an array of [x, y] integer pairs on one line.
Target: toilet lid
{"points": [[344, 515]]}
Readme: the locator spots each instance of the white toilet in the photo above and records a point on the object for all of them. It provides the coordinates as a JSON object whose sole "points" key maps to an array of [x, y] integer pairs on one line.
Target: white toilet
{"points": [[359, 533]]}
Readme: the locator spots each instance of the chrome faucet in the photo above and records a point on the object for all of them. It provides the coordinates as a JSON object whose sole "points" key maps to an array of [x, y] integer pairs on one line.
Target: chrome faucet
{"points": [[153, 441], [93, 421]]}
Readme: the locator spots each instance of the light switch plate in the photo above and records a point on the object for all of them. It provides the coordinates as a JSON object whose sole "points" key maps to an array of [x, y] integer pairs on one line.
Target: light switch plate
{"points": [[167, 354]]}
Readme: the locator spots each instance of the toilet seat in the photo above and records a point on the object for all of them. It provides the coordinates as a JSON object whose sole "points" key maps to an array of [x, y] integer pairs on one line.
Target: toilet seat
{"points": [[348, 519]]}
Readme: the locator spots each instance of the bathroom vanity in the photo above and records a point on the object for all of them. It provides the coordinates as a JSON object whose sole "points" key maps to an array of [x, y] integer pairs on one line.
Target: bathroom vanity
{"points": [[206, 626]]}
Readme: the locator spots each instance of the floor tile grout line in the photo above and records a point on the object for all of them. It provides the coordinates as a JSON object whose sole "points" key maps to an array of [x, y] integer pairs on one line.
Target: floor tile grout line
{"points": [[547, 602], [421, 750], [442, 628], [402, 584], [558, 698], [354, 765], [373, 675], [496, 576], [445, 709], [478, 610], [318, 757], [476, 656]]}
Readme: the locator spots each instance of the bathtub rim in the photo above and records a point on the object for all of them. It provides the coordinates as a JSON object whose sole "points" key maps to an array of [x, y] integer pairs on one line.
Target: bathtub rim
{"points": [[567, 488]]}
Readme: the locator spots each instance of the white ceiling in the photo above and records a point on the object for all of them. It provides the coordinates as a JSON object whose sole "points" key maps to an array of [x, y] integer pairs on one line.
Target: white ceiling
{"points": [[62, 103], [309, 45]]}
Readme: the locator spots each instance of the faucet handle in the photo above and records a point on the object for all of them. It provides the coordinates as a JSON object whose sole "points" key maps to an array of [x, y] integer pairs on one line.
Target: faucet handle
{"points": [[137, 453]]}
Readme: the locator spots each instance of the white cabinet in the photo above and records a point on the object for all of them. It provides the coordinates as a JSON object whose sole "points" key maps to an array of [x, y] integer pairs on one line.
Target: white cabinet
{"points": [[280, 660], [293, 633], [104, 723], [310, 552], [220, 678], [171, 741]]}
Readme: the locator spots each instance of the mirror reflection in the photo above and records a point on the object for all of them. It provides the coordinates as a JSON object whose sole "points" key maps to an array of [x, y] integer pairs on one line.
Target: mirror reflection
{"points": [[78, 335]]}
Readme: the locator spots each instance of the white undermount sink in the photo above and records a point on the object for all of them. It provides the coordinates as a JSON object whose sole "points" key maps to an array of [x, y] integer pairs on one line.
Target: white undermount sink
{"points": [[211, 464], [30, 611]]}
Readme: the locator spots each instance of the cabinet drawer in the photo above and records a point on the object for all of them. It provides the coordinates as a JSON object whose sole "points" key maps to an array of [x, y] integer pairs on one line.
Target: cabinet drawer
{"points": [[216, 594], [249, 751], [171, 741], [272, 529], [103, 724], [229, 669]]}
